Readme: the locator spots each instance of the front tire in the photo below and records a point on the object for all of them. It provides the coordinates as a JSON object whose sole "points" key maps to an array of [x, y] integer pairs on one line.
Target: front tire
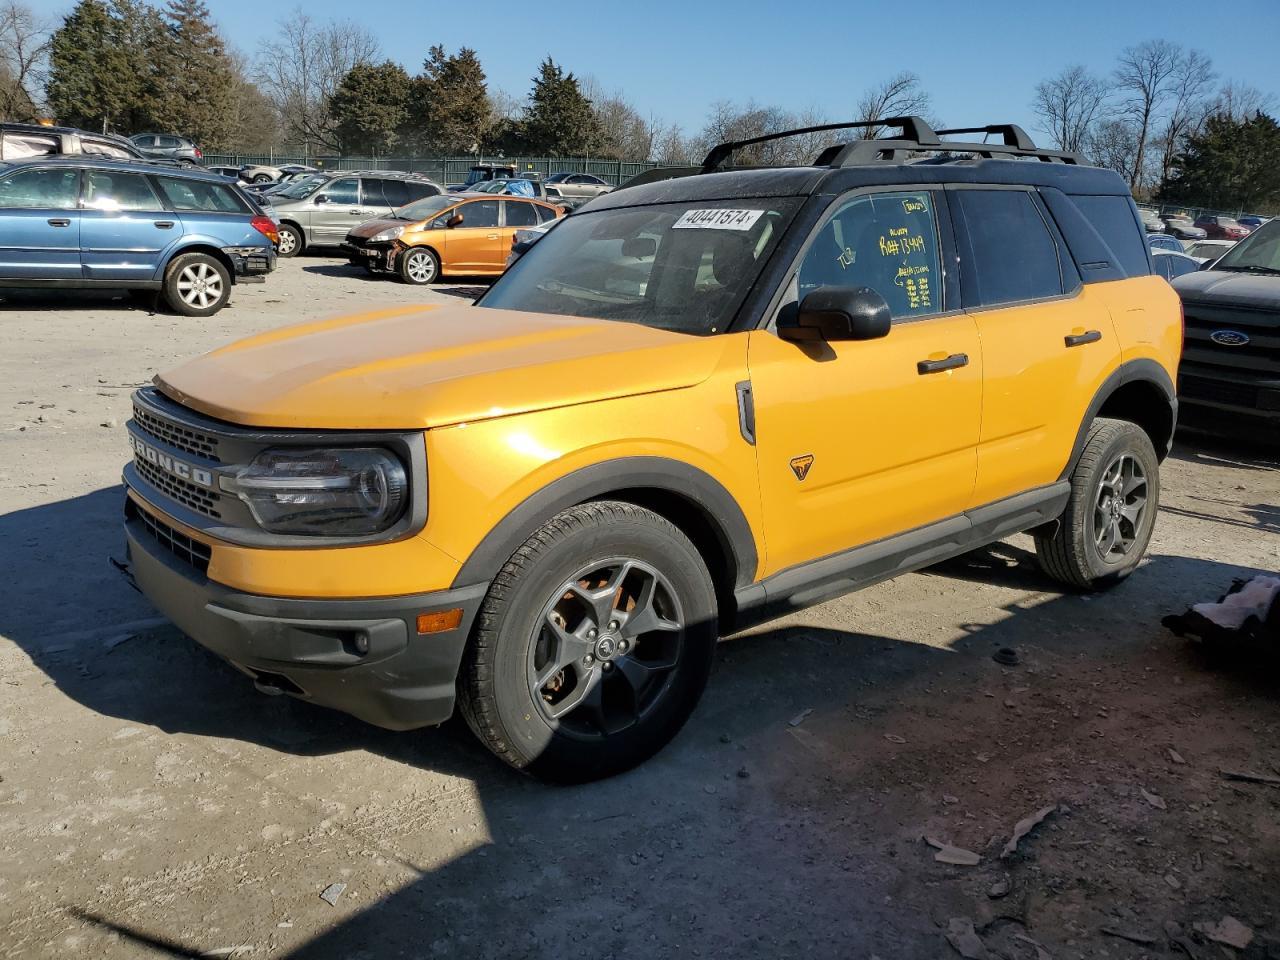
{"points": [[263, 178], [1106, 527], [419, 266], [593, 645], [196, 285], [291, 241]]}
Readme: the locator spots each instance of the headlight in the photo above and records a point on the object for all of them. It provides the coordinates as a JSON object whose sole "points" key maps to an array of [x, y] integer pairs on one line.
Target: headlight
{"points": [[391, 233], [334, 493]]}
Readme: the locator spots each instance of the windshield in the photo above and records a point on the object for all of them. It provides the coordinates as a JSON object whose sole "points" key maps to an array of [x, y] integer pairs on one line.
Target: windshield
{"points": [[303, 188], [1257, 253], [685, 267], [426, 208]]}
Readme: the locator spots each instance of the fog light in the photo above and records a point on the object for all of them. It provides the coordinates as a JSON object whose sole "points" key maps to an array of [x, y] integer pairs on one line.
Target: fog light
{"points": [[440, 621]]}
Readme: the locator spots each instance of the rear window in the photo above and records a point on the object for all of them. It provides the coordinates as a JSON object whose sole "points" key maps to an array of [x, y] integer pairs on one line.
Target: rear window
{"points": [[1114, 220], [1015, 257], [202, 196]]}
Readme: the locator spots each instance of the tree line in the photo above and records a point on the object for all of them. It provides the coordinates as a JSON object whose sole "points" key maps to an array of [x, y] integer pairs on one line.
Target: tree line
{"points": [[1161, 117]]}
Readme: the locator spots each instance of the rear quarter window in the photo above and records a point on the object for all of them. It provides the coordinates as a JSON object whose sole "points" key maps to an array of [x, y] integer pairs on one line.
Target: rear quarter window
{"points": [[1117, 224], [198, 195], [1015, 257]]}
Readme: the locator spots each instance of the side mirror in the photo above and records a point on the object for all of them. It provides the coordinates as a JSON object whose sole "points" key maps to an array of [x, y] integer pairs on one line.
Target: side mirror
{"points": [[837, 313], [639, 247], [454, 221], [322, 198]]}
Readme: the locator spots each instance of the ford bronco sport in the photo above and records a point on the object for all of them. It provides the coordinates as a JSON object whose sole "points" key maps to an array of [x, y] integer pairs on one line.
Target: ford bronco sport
{"points": [[698, 403]]}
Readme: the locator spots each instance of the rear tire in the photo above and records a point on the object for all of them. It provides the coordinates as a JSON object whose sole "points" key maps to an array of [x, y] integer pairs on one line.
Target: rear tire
{"points": [[291, 242], [419, 266], [555, 681], [196, 285], [263, 178], [1106, 527]]}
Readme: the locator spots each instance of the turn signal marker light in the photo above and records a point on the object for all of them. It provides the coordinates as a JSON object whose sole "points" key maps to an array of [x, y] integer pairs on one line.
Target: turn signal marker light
{"points": [[440, 621]]}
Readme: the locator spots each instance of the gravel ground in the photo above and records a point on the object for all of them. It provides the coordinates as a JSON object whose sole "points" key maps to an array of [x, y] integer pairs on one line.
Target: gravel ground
{"points": [[152, 804]]}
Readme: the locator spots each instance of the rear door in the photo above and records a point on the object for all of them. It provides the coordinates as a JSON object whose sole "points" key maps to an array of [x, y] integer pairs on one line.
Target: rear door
{"points": [[1047, 340], [475, 245], [40, 224], [125, 230], [335, 209]]}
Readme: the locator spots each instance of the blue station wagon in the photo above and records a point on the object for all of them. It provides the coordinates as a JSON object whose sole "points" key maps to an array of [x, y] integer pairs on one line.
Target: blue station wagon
{"points": [[86, 223]]}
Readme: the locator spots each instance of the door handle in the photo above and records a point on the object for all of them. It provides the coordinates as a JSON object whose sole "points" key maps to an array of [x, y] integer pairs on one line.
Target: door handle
{"points": [[947, 363], [59, 222], [358, 213], [163, 224], [492, 236], [1076, 339]]}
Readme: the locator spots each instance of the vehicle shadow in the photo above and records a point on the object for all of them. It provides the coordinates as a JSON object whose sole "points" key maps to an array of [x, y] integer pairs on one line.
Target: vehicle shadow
{"points": [[44, 298], [732, 828], [464, 288]]}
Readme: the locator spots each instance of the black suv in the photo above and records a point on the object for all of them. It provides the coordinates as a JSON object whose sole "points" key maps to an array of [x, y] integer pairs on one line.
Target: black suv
{"points": [[23, 141], [1230, 371]]}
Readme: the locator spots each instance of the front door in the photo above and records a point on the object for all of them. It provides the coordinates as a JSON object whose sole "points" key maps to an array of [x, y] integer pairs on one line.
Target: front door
{"points": [[40, 224], [335, 209], [124, 229], [858, 441], [473, 245]]}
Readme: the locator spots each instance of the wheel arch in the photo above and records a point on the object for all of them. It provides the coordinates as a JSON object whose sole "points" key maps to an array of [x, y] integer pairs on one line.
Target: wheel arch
{"points": [[1141, 392], [691, 499], [205, 248]]}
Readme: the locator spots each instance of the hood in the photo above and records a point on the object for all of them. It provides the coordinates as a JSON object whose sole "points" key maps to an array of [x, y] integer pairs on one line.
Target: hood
{"points": [[367, 228], [1227, 288], [419, 367]]}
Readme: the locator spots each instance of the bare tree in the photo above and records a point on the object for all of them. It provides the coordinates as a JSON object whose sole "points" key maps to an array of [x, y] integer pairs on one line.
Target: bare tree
{"points": [[24, 49], [624, 133], [670, 146], [899, 96], [302, 68], [1069, 105], [1240, 102], [1189, 88], [1145, 74], [1113, 144]]}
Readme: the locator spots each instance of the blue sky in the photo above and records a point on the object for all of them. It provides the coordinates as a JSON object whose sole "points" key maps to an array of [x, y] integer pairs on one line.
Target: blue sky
{"points": [[980, 60]]}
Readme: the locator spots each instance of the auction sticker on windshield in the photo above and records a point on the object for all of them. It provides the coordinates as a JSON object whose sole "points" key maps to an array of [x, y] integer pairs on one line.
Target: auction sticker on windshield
{"points": [[717, 219]]}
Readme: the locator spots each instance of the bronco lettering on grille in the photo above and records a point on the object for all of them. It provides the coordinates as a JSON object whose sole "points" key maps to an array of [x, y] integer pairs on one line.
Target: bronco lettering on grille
{"points": [[173, 465]]}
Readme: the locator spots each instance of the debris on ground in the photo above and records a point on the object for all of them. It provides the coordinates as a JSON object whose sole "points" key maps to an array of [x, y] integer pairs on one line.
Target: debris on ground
{"points": [[332, 892], [1175, 756], [1228, 931], [1151, 798], [228, 951], [111, 643], [1000, 888], [1250, 777], [965, 940], [1133, 936], [894, 738], [1247, 612], [1041, 952], [743, 773], [1025, 826], [800, 717], [1006, 656], [947, 853]]}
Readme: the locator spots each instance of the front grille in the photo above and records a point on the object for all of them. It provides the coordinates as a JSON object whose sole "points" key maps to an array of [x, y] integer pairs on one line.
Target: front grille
{"points": [[1218, 391], [1259, 359], [192, 552], [176, 435], [188, 494]]}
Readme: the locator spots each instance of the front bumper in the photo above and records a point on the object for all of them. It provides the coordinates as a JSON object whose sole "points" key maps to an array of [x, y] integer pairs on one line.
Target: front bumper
{"points": [[251, 264], [379, 256], [361, 656]]}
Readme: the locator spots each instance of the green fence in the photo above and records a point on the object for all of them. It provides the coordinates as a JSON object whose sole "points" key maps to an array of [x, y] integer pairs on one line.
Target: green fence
{"points": [[446, 170]]}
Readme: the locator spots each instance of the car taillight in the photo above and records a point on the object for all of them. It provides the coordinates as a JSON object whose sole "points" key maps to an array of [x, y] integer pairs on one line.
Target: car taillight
{"points": [[199, 152], [267, 227]]}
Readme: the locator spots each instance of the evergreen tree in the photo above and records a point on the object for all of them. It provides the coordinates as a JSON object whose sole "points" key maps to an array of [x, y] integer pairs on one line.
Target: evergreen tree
{"points": [[370, 108], [1231, 164], [195, 80], [450, 111], [93, 81], [559, 120]]}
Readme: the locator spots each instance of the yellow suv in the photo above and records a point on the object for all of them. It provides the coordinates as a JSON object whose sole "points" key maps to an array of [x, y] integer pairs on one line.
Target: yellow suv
{"points": [[694, 404]]}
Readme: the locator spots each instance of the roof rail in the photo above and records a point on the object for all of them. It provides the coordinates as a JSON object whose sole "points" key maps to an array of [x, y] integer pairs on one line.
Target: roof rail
{"points": [[913, 129], [1014, 135]]}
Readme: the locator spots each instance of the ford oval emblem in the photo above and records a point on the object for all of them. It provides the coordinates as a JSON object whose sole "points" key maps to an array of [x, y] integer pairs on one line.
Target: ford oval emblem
{"points": [[1229, 338]]}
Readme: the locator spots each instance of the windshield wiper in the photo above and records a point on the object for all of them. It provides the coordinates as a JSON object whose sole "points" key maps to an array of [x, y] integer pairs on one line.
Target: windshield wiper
{"points": [[1249, 268]]}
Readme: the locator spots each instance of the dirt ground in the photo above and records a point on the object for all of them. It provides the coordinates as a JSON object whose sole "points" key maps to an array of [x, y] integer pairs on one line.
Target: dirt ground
{"points": [[153, 804]]}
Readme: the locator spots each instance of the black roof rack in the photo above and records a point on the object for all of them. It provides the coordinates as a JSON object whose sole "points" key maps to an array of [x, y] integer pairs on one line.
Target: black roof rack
{"points": [[916, 136]]}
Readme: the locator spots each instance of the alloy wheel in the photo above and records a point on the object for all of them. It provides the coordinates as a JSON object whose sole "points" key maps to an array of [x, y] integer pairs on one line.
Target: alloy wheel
{"points": [[287, 242], [420, 267], [1119, 509], [605, 648], [200, 285]]}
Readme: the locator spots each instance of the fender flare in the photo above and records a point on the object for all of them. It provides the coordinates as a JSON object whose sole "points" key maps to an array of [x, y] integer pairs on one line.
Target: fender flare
{"points": [[1132, 371], [697, 488]]}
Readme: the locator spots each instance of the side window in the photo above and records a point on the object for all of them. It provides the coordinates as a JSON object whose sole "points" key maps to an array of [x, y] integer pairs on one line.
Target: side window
{"points": [[342, 191], [371, 192], [168, 142], [1015, 257], [543, 213], [417, 190], [110, 190], [1114, 220], [46, 189], [201, 195], [520, 214], [885, 241], [396, 192], [479, 213]]}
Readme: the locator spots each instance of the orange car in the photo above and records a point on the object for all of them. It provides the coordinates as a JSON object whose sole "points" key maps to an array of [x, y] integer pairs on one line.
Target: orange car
{"points": [[454, 234]]}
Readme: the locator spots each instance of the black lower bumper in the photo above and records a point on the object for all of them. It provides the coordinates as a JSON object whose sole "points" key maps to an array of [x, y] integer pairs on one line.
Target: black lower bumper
{"points": [[251, 264], [363, 657]]}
